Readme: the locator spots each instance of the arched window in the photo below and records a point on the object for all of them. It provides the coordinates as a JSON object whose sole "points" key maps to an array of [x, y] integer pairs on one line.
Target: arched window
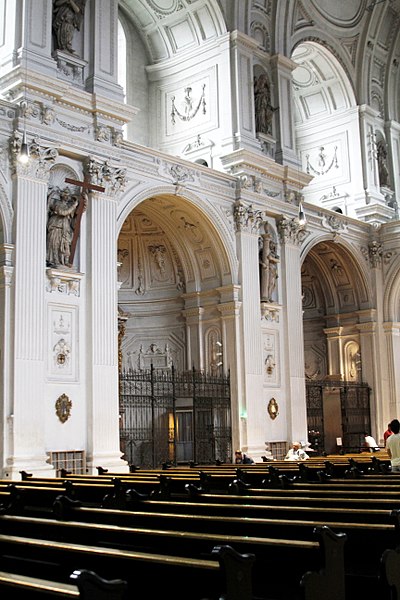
{"points": [[122, 57]]}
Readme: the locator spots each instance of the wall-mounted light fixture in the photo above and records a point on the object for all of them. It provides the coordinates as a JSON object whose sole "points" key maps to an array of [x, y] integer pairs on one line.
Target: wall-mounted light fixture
{"points": [[23, 156], [302, 217]]}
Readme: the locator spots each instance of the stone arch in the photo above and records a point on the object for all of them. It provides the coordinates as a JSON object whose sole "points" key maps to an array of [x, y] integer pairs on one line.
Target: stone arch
{"points": [[336, 290], [391, 297], [357, 266], [176, 265], [6, 217], [223, 234]]}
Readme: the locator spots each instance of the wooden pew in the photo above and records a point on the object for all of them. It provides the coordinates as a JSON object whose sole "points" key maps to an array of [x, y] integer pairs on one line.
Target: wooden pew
{"points": [[225, 572], [377, 535], [85, 585], [309, 555]]}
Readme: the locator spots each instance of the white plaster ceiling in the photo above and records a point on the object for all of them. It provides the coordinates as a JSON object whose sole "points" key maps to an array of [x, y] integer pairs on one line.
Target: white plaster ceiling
{"points": [[169, 27], [332, 282], [193, 247], [320, 84]]}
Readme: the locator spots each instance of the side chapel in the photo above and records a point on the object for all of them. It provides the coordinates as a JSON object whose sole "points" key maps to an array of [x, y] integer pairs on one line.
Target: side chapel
{"points": [[199, 229]]}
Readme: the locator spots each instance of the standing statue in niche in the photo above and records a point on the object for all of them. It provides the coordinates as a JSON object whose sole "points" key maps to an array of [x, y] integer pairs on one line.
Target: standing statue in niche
{"points": [[62, 207], [269, 266], [264, 110], [67, 16], [382, 166]]}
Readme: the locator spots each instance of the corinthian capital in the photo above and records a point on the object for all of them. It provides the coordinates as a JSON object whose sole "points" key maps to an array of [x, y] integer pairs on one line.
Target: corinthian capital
{"points": [[113, 179], [290, 231], [246, 218], [41, 158]]}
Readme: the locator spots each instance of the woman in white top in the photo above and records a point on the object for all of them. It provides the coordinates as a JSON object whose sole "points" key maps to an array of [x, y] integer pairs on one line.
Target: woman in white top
{"points": [[296, 452]]}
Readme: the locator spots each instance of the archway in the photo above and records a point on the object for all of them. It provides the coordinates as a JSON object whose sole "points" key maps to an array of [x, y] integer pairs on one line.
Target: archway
{"points": [[174, 273], [335, 301]]}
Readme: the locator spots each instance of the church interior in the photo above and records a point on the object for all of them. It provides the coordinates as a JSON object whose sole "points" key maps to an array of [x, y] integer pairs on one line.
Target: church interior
{"points": [[199, 299], [201, 250]]}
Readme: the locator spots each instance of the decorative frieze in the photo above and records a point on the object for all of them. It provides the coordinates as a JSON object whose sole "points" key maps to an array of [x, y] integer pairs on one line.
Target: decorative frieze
{"points": [[270, 311], [333, 224], [63, 282]]}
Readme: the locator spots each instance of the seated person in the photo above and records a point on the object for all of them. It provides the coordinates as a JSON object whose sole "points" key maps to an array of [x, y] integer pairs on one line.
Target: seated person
{"points": [[296, 452], [370, 443], [242, 459]]}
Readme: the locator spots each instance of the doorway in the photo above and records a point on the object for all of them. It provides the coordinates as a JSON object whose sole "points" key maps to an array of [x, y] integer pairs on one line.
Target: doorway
{"points": [[174, 417], [338, 414]]}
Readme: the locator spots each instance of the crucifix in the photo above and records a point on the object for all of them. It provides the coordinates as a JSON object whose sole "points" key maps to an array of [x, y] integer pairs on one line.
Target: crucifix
{"points": [[86, 187]]}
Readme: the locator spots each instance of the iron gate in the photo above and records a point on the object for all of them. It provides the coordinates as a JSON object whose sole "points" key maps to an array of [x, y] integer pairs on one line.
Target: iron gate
{"points": [[169, 417], [355, 411]]}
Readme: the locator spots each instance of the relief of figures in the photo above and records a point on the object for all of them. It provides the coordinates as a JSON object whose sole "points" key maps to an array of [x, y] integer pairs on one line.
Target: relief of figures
{"points": [[269, 266], [264, 111], [67, 17], [62, 205], [382, 164]]}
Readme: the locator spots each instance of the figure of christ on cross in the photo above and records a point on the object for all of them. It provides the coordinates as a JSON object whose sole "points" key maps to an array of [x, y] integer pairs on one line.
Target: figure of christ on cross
{"points": [[86, 187]]}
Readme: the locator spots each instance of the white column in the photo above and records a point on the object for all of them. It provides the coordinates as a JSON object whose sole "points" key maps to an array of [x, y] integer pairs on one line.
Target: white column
{"points": [[232, 344], [282, 68], [103, 389], [335, 360], [372, 373], [36, 28], [194, 333], [251, 392], [6, 404], [27, 411], [103, 50], [291, 235], [243, 48], [375, 209], [392, 335]]}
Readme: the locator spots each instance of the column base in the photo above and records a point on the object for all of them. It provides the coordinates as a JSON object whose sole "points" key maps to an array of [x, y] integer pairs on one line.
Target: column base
{"points": [[112, 462], [33, 466]]}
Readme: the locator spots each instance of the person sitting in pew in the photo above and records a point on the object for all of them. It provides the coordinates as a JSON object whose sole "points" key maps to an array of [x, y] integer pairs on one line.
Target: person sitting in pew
{"points": [[370, 443], [242, 459], [387, 433], [393, 446], [296, 452]]}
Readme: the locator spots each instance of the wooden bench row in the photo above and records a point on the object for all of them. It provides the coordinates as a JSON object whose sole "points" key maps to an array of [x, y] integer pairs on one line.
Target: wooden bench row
{"points": [[117, 531], [85, 585], [278, 533]]}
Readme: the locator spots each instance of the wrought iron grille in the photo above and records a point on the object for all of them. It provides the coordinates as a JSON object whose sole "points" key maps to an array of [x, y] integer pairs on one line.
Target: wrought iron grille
{"points": [[355, 410], [315, 415], [356, 416], [169, 417]]}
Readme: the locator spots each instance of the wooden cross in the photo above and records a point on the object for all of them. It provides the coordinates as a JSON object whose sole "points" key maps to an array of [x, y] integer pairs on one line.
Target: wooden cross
{"points": [[85, 185]]}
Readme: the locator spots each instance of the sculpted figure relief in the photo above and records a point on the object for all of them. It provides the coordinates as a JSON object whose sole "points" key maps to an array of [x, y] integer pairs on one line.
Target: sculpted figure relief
{"points": [[67, 17], [269, 267], [264, 110], [382, 166], [62, 206]]}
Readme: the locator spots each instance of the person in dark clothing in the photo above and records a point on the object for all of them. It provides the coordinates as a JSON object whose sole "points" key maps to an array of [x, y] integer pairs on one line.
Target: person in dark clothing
{"points": [[242, 459]]}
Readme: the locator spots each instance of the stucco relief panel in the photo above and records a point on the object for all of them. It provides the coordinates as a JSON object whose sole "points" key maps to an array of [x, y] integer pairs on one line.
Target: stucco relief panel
{"points": [[157, 262], [271, 357], [62, 355], [190, 106], [206, 264]]}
